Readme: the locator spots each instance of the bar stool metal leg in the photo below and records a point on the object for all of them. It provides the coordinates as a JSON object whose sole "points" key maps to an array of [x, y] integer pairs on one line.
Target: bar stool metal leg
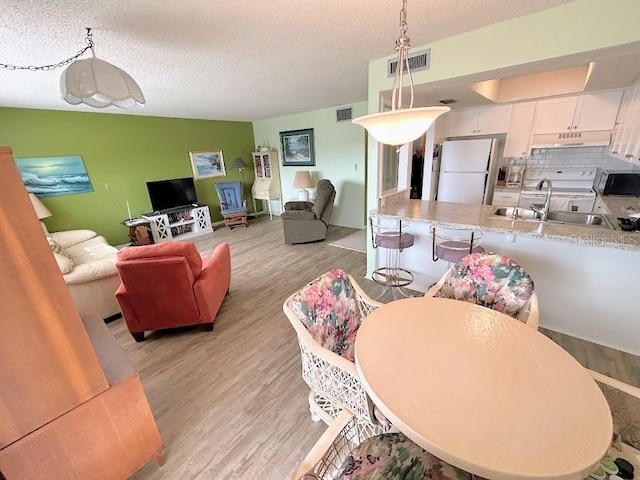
{"points": [[390, 235]]}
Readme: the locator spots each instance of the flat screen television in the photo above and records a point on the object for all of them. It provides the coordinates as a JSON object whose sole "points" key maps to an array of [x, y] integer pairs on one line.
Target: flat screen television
{"points": [[172, 193]]}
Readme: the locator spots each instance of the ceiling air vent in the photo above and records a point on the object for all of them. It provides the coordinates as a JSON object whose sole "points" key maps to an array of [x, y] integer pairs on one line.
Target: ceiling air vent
{"points": [[344, 114], [417, 61]]}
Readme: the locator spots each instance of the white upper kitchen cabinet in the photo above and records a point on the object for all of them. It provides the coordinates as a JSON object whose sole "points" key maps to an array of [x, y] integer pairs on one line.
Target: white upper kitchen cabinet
{"points": [[518, 139], [554, 115], [479, 121], [580, 113], [597, 111], [626, 136]]}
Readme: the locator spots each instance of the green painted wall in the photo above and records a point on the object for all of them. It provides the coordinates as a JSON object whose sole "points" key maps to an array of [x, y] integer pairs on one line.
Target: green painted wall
{"points": [[125, 151], [340, 157]]}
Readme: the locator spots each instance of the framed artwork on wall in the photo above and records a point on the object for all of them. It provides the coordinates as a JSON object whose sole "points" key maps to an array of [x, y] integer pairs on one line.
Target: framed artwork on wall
{"points": [[207, 164], [298, 148], [52, 176]]}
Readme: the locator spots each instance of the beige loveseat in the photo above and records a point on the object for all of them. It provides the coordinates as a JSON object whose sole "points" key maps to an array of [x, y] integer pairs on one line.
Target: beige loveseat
{"points": [[88, 265]]}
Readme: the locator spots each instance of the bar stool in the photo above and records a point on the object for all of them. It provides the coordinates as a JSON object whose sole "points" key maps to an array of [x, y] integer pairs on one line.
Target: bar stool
{"points": [[390, 234], [451, 244]]}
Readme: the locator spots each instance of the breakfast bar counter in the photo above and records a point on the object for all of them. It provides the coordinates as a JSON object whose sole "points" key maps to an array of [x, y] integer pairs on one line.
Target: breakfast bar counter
{"points": [[585, 277], [482, 217]]}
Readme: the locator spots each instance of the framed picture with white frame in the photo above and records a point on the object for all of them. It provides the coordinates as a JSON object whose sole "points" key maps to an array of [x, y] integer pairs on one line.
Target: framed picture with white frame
{"points": [[207, 164]]}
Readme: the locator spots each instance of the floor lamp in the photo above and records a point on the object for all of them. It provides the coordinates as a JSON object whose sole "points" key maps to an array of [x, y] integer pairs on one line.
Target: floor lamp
{"points": [[240, 165]]}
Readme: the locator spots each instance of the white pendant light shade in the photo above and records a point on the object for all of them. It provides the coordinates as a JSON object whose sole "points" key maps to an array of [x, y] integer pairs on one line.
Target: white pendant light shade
{"points": [[398, 127], [99, 84]]}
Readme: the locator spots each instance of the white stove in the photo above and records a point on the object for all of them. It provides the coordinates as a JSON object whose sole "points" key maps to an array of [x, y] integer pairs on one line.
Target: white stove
{"points": [[572, 188]]}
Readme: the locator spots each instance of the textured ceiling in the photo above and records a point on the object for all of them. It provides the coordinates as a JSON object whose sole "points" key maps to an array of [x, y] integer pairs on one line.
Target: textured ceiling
{"points": [[227, 60]]}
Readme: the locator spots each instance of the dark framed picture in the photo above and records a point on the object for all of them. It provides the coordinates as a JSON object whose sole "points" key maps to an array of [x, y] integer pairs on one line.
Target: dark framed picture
{"points": [[298, 148]]}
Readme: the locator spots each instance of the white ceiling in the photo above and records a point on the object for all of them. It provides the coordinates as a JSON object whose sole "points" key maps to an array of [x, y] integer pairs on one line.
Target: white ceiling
{"points": [[227, 60]]}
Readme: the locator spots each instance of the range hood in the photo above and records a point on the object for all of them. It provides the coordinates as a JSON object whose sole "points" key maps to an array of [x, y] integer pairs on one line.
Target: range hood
{"points": [[600, 138]]}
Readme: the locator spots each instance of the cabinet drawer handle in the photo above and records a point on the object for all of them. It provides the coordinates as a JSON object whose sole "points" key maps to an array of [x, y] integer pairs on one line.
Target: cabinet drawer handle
{"points": [[568, 128]]}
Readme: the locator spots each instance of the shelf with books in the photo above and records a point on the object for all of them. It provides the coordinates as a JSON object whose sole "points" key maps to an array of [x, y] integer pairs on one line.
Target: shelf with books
{"points": [[179, 224]]}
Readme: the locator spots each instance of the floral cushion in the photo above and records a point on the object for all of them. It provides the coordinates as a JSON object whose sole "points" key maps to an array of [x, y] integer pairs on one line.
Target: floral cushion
{"points": [[327, 307], [392, 456], [491, 280]]}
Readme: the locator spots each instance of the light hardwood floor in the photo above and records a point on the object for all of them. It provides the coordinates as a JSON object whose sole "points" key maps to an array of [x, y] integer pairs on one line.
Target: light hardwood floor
{"points": [[231, 404]]}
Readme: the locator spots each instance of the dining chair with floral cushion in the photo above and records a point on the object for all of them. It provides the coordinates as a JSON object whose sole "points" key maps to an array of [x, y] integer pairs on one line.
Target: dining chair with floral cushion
{"points": [[346, 452], [494, 281], [326, 314]]}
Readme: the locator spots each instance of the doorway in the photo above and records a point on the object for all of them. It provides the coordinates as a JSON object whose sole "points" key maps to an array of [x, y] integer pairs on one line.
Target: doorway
{"points": [[417, 171]]}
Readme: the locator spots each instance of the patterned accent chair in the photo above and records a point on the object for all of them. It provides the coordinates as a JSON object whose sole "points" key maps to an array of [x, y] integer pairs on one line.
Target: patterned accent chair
{"points": [[305, 222], [233, 207], [326, 314], [168, 285], [345, 452], [494, 281]]}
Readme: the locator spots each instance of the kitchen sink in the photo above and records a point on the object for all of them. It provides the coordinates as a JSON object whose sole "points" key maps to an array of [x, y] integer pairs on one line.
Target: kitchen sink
{"points": [[518, 213], [579, 219], [573, 218]]}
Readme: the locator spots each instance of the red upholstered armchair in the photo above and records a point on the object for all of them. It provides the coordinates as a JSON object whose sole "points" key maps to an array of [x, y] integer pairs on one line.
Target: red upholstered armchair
{"points": [[169, 285]]}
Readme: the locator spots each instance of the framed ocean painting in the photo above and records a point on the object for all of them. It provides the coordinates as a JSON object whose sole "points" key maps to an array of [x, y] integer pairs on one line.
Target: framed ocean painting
{"points": [[51, 176], [207, 164]]}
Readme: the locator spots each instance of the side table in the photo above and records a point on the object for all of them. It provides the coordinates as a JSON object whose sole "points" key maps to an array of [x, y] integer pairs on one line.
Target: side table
{"points": [[138, 231]]}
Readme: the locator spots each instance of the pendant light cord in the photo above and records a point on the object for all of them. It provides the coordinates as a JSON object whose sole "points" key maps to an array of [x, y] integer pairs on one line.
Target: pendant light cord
{"points": [[89, 40], [402, 47]]}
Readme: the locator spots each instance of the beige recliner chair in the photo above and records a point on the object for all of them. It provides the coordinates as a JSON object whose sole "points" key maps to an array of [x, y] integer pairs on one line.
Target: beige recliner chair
{"points": [[305, 222]]}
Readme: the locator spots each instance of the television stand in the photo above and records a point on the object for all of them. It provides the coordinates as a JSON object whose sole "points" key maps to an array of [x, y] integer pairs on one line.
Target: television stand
{"points": [[180, 223]]}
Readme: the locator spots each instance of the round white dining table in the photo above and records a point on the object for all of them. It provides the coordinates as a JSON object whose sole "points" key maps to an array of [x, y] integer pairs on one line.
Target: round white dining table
{"points": [[482, 391]]}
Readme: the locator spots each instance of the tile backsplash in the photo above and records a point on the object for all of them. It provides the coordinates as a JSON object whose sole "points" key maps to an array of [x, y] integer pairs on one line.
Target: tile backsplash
{"points": [[573, 157]]}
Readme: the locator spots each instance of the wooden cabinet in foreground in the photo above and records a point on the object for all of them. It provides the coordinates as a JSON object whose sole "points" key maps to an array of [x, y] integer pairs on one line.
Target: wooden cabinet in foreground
{"points": [[71, 404]]}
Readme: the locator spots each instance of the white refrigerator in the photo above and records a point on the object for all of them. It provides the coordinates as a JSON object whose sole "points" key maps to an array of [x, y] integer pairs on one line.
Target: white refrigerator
{"points": [[464, 170]]}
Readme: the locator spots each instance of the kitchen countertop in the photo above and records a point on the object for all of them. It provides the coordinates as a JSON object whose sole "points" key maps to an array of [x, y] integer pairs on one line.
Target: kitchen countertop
{"points": [[621, 206], [448, 214]]}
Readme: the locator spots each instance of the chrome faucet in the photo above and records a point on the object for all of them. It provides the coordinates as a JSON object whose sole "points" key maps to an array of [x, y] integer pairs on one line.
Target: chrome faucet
{"points": [[543, 210]]}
